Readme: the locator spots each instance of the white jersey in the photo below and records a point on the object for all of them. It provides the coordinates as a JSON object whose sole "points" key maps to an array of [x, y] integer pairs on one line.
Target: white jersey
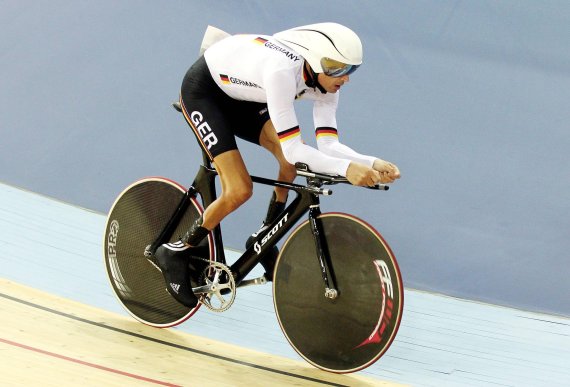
{"points": [[259, 69]]}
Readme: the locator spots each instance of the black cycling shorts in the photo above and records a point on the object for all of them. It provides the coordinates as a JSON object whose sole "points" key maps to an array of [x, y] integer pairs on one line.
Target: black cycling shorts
{"points": [[215, 117]]}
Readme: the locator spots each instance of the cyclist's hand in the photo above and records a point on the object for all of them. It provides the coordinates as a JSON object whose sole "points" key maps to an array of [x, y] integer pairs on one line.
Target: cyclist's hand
{"points": [[360, 174], [389, 172]]}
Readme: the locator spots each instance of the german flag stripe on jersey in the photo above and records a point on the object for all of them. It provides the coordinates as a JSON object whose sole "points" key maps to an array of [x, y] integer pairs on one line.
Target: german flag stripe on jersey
{"points": [[289, 134], [225, 79], [260, 40], [322, 132]]}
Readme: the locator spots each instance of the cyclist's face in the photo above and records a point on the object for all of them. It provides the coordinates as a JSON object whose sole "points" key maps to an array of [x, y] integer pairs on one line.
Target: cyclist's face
{"points": [[332, 84]]}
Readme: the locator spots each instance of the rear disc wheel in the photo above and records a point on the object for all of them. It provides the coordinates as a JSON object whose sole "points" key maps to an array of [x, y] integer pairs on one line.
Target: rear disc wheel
{"points": [[136, 219]]}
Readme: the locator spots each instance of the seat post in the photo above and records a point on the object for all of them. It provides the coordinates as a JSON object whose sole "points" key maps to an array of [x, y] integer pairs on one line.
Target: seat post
{"points": [[206, 160]]}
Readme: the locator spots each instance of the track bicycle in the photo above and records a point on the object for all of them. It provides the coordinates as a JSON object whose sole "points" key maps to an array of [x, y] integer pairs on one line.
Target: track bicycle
{"points": [[337, 288]]}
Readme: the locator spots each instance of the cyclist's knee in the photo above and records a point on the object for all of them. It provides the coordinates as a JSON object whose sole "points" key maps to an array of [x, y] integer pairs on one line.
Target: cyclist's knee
{"points": [[237, 195], [243, 194]]}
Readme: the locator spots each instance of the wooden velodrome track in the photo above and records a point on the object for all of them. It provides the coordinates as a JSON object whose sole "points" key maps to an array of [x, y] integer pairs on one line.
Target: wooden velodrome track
{"points": [[48, 340], [61, 325]]}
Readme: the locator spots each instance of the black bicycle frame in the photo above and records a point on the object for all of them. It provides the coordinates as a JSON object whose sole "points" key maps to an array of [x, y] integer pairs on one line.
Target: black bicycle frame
{"points": [[306, 200]]}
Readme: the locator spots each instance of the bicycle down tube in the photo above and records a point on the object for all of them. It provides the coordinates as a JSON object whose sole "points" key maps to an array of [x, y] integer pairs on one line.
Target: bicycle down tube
{"points": [[307, 199]]}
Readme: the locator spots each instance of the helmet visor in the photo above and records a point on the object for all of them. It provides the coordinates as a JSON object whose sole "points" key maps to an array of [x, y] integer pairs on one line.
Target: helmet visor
{"points": [[334, 68]]}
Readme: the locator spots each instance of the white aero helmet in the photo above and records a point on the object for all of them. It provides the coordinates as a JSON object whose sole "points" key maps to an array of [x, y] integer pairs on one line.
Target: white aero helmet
{"points": [[329, 48]]}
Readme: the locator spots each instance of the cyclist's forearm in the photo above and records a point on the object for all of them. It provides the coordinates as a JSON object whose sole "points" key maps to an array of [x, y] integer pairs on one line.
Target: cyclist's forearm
{"points": [[296, 151], [333, 148]]}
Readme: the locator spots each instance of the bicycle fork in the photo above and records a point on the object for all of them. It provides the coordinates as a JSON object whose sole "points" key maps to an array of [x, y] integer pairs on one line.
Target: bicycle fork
{"points": [[323, 254]]}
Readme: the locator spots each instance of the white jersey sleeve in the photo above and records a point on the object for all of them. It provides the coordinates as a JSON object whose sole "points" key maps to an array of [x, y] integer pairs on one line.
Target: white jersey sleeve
{"points": [[324, 117], [327, 142], [296, 151], [281, 89]]}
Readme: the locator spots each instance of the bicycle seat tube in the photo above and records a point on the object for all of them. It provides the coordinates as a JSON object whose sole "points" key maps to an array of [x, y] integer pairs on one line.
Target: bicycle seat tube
{"points": [[205, 185], [172, 223]]}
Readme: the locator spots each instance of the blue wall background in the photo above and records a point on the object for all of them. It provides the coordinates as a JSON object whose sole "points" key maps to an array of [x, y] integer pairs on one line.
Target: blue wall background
{"points": [[470, 99]]}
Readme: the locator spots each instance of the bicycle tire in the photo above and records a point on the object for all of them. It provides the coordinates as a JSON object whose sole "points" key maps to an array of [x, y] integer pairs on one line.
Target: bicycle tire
{"points": [[134, 222], [353, 331]]}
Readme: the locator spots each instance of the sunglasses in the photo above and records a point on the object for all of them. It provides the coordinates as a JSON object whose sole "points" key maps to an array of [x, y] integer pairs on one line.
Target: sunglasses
{"points": [[334, 68]]}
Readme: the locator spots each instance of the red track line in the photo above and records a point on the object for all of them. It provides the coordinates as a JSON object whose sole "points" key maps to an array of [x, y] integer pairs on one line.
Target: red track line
{"points": [[58, 356]]}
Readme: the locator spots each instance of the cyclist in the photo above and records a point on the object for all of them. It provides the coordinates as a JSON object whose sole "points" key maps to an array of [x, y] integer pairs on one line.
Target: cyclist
{"points": [[245, 86]]}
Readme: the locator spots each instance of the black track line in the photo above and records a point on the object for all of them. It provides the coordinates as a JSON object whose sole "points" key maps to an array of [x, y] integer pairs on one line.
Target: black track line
{"points": [[166, 343]]}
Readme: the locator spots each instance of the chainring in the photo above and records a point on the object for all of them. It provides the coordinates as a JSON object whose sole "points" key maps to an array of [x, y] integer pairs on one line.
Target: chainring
{"points": [[219, 290]]}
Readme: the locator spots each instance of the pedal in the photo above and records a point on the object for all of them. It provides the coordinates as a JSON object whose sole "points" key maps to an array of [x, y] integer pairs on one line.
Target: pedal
{"points": [[150, 258]]}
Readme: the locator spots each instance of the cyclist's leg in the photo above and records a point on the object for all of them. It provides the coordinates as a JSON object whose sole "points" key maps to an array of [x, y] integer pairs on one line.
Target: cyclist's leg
{"points": [[255, 126], [212, 116], [202, 103], [237, 187], [287, 172]]}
